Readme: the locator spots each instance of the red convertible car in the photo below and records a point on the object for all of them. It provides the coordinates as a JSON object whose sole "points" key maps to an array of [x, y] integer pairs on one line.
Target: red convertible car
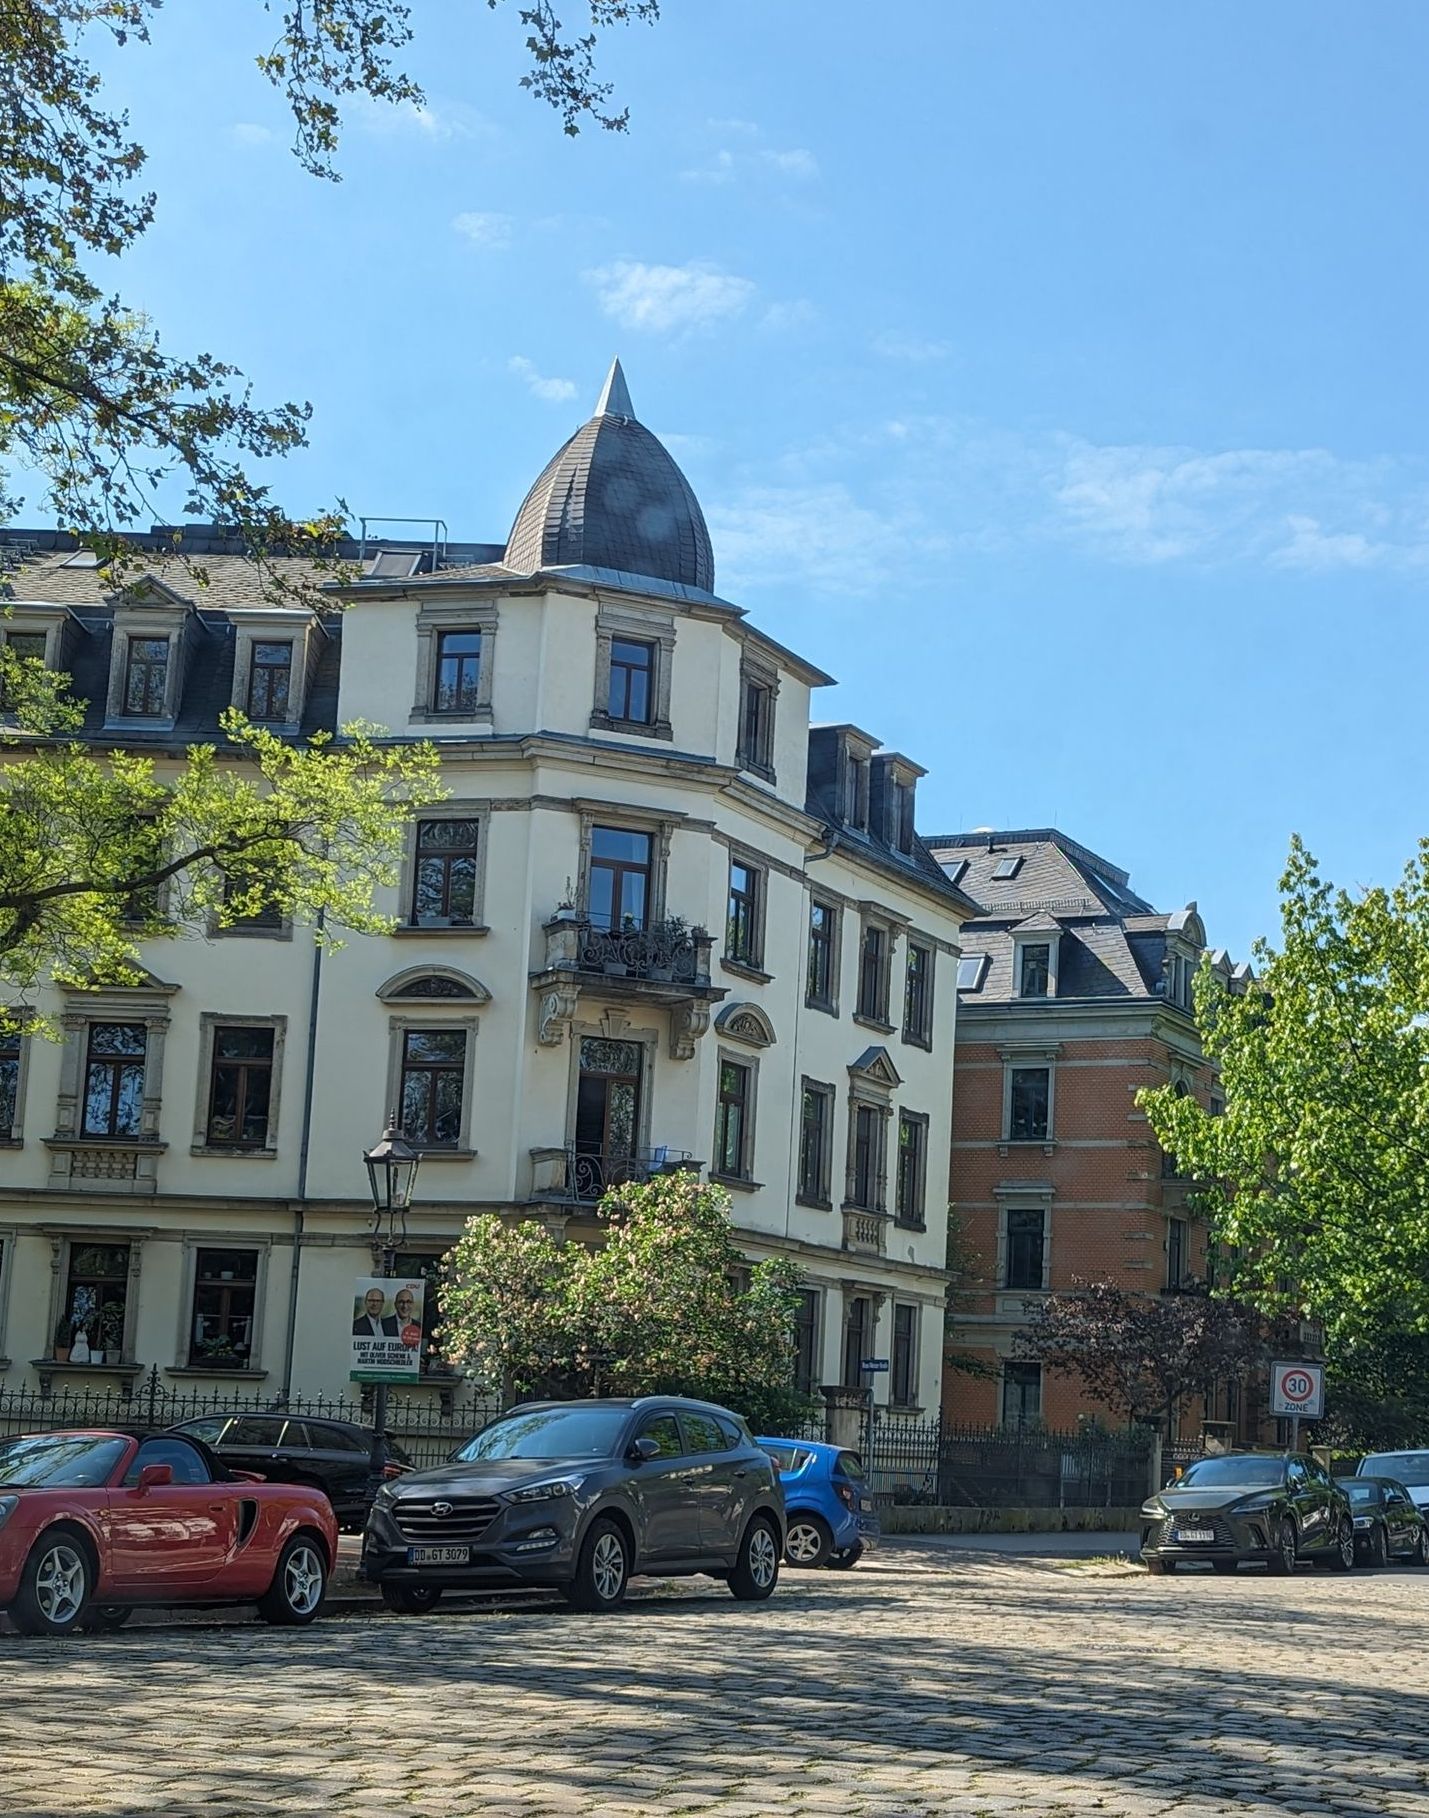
{"points": [[93, 1524]]}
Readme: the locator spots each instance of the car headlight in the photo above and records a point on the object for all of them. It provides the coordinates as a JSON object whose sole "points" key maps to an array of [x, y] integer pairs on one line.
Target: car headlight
{"points": [[1364, 1521], [544, 1492], [385, 1497], [1254, 1505], [8, 1506], [1155, 1510]]}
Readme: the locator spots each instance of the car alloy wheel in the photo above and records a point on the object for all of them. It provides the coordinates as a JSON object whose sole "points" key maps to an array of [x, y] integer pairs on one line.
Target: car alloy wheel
{"points": [[757, 1570], [61, 1585], [1343, 1559], [299, 1584], [602, 1569], [808, 1542], [1286, 1548], [1420, 1555], [1378, 1546], [303, 1578]]}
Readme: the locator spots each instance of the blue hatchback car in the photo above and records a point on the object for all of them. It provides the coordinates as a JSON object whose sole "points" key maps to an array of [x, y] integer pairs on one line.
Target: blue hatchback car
{"points": [[831, 1519]]}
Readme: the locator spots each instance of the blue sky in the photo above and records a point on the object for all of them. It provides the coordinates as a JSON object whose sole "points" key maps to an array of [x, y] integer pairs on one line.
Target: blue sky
{"points": [[1053, 375]]}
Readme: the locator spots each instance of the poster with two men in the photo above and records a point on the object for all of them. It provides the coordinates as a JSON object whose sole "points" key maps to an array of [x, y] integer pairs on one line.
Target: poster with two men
{"points": [[387, 1323]]}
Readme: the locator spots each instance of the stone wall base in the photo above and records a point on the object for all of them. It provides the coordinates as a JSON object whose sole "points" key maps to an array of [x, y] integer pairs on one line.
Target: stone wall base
{"points": [[918, 1518]]}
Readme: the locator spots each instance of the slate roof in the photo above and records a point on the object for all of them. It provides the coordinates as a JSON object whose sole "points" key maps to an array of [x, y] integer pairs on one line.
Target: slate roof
{"points": [[1112, 943], [613, 497]]}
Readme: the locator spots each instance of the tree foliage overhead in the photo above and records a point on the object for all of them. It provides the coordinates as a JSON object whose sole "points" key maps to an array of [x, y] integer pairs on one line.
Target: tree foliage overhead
{"points": [[99, 853], [90, 397], [1317, 1175], [661, 1308], [1141, 1355]]}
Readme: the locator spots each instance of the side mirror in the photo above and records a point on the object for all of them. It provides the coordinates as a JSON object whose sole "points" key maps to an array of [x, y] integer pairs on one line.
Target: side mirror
{"points": [[644, 1449], [155, 1477]]}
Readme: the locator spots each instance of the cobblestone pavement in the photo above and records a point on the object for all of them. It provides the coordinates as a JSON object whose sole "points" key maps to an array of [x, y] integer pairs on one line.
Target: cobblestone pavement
{"points": [[921, 1683]]}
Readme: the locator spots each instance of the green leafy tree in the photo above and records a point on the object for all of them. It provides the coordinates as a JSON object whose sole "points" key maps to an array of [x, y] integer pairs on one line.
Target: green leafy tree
{"points": [[1141, 1355], [90, 397], [100, 852], [1316, 1178], [667, 1305]]}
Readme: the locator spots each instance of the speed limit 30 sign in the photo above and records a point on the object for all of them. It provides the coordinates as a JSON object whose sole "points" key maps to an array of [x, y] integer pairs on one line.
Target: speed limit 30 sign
{"points": [[1297, 1389]]}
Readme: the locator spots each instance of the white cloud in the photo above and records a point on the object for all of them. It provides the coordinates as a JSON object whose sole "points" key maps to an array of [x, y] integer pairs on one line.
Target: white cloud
{"points": [[876, 503], [894, 345], [796, 312], [491, 232], [750, 157], [553, 391], [246, 133], [669, 299], [799, 162], [430, 120]]}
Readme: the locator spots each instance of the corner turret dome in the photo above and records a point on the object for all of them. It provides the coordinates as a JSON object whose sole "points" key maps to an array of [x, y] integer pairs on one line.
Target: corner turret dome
{"points": [[613, 498]]}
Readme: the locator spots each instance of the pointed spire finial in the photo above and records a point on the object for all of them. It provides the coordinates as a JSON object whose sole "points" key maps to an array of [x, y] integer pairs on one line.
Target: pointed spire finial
{"points": [[615, 398]]}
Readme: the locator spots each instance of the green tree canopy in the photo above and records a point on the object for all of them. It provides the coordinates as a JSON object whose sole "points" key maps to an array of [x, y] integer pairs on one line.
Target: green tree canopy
{"points": [[667, 1305], [1317, 1175], [102, 851], [90, 398]]}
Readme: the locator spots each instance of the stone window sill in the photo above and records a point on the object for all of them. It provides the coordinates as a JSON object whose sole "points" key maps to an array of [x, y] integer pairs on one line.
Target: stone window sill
{"points": [[445, 1155], [51, 1368], [826, 1005], [765, 772], [913, 1040], [911, 1224], [232, 1152], [415, 930], [142, 1145], [640, 729], [814, 1205], [740, 1183], [462, 716], [226, 1371], [284, 932], [1026, 1144], [744, 969], [873, 1022]]}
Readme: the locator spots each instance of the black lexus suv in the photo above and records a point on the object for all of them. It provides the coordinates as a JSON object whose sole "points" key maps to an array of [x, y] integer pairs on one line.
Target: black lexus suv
{"points": [[1277, 1508], [579, 1495]]}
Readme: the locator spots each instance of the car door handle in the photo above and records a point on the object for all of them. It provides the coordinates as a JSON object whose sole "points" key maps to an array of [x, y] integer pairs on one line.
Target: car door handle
{"points": [[217, 1508], [741, 1473]]}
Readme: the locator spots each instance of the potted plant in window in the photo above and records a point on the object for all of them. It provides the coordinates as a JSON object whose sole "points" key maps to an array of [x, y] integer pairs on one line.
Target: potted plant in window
{"points": [[219, 1353], [64, 1338], [111, 1334], [665, 941]]}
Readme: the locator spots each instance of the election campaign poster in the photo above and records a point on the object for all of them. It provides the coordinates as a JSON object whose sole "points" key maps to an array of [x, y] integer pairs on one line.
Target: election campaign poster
{"points": [[387, 1329]]}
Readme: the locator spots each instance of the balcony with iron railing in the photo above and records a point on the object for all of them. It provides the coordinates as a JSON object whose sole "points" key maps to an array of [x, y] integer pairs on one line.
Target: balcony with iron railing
{"points": [[572, 1175], [667, 964]]}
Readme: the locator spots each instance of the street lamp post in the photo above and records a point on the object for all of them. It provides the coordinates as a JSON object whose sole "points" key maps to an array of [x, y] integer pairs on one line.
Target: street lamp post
{"points": [[392, 1177]]}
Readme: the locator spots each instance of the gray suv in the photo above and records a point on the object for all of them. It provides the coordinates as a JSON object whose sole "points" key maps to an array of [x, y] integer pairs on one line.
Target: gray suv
{"points": [[578, 1495]]}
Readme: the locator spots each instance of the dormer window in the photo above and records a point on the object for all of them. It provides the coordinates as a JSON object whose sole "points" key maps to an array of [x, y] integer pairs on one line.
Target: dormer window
{"points": [[856, 793], [1034, 969], [1007, 868], [270, 682], [902, 817], [146, 678]]}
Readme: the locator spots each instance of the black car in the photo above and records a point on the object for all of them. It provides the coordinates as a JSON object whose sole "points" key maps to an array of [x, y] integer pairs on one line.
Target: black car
{"points": [[1411, 1469], [578, 1495], [1387, 1523], [1249, 1506], [333, 1455]]}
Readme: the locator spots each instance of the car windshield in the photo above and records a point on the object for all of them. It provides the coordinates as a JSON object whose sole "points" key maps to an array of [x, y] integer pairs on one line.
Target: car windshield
{"points": [[70, 1461], [1361, 1494], [573, 1432], [1234, 1473], [1407, 1467]]}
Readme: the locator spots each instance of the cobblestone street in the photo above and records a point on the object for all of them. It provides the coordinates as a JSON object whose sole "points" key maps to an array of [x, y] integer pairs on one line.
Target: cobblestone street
{"points": [[924, 1683]]}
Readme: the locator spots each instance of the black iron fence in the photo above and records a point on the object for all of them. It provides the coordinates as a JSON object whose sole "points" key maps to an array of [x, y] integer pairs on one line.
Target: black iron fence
{"points": [[1008, 1467], [427, 1426]]}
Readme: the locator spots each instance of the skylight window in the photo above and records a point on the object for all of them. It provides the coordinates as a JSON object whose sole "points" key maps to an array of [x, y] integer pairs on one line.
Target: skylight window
{"points": [[956, 868], [970, 970], [1008, 867], [82, 558]]}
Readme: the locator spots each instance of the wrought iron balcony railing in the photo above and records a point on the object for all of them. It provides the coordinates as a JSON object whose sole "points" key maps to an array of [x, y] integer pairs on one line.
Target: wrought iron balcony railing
{"points": [[583, 1176], [667, 952]]}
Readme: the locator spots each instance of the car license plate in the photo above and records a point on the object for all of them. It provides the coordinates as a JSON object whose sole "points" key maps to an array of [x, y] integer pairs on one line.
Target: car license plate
{"points": [[865, 1504], [1194, 1535], [438, 1555]]}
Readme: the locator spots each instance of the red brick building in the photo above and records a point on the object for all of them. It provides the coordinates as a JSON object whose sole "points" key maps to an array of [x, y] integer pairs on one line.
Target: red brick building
{"points": [[1073, 994]]}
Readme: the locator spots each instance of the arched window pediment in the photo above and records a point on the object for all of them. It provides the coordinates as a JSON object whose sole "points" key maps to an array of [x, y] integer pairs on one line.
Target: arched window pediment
{"points": [[745, 1022], [433, 985]]}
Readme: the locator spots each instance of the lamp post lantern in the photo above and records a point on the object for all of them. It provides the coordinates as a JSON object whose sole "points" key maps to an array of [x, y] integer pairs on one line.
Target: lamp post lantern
{"points": [[391, 1167]]}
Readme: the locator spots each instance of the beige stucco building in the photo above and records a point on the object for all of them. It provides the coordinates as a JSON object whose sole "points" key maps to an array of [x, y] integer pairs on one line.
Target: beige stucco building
{"points": [[630, 763]]}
